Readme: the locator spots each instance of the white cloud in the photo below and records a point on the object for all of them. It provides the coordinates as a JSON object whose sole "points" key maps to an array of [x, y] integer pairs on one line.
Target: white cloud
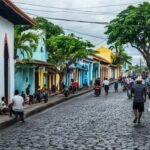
{"points": [[101, 14]]}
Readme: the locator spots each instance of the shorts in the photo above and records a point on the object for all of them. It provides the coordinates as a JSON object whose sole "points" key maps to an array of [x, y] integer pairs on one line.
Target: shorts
{"points": [[138, 106]]}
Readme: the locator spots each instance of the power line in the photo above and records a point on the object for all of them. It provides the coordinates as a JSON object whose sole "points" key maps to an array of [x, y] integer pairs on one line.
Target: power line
{"points": [[98, 13], [99, 43], [90, 22], [102, 13], [84, 34], [71, 10], [71, 20], [78, 9], [111, 5]]}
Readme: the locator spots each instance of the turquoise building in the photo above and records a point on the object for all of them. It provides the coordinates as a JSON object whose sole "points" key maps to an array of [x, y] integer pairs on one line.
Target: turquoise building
{"points": [[84, 71], [35, 71]]}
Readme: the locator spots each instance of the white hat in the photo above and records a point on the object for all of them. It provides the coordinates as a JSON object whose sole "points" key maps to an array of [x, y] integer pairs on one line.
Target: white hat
{"points": [[139, 78]]}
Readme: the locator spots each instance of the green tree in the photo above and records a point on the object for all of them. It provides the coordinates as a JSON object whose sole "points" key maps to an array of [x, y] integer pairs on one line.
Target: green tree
{"points": [[24, 41], [132, 26], [136, 69], [43, 24], [65, 50], [49, 28], [120, 57]]}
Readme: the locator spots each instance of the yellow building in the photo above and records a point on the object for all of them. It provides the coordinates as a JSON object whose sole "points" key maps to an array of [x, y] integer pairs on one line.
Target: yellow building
{"points": [[111, 70], [104, 53]]}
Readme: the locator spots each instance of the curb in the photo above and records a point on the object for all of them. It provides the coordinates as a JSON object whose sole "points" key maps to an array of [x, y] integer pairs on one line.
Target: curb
{"points": [[39, 109]]}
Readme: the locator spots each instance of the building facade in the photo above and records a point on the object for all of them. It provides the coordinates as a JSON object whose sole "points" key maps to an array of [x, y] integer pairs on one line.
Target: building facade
{"points": [[35, 71], [10, 16]]}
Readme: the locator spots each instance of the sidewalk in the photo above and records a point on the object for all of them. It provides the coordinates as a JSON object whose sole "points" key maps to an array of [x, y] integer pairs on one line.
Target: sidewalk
{"points": [[6, 121]]}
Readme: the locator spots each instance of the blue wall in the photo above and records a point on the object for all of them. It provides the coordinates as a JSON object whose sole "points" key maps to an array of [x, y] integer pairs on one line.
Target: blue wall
{"points": [[24, 77], [24, 74]]}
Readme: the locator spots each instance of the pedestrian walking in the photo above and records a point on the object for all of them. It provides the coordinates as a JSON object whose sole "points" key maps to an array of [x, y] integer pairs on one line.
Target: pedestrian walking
{"points": [[106, 86], [116, 86], [17, 104], [147, 82], [139, 93]]}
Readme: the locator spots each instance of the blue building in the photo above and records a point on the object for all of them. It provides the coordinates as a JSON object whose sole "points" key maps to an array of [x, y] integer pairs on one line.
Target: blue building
{"points": [[34, 71], [84, 71]]}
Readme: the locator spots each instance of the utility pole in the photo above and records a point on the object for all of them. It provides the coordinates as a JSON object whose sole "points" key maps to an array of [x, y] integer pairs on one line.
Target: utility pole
{"points": [[140, 65]]}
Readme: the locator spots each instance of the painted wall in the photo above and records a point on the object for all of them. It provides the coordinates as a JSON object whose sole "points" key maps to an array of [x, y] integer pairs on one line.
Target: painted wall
{"points": [[28, 72], [26, 77], [40, 53], [7, 28]]}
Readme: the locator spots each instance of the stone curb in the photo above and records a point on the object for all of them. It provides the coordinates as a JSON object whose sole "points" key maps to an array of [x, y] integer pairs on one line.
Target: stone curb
{"points": [[39, 109]]}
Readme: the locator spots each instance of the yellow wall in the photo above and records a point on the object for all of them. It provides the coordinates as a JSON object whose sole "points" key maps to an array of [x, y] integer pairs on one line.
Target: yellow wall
{"points": [[104, 53], [57, 81], [41, 77]]}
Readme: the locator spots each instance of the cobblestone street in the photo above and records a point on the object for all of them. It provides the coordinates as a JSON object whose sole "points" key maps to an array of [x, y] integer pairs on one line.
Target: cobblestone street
{"points": [[84, 123]]}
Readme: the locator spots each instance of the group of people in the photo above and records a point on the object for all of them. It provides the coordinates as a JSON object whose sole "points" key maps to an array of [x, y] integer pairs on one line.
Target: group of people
{"points": [[16, 103], [139, 87], [15, 106], [105, 84]]}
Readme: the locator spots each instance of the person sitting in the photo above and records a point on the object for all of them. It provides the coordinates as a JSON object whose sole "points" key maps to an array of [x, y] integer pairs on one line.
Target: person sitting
{"points": [[4, 108], [23, 96], [17, 104]]}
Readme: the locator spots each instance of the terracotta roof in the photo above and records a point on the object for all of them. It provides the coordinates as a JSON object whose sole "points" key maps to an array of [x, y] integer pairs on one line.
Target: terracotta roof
{"points": [[101, 59], [12, 13], [36, 62]]}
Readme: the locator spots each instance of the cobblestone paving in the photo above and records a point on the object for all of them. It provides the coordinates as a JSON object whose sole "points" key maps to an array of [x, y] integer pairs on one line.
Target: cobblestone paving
{"points": [[85, 123]]}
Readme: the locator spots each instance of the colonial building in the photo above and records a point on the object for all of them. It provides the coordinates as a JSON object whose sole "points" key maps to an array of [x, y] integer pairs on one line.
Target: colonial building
{"points": [[103, 68], [81, 71], [10, 15], [35, 71], [108, 70]]}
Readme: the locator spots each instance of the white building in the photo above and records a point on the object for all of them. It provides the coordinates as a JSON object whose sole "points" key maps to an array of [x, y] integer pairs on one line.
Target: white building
{"points": [[10, 15]]}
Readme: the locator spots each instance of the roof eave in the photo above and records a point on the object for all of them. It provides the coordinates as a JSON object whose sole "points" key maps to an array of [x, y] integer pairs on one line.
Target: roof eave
{"points": [[18, 11]]}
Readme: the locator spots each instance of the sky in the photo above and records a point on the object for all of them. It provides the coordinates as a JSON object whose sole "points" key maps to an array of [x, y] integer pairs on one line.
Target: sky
{"points": [[85, 10]]}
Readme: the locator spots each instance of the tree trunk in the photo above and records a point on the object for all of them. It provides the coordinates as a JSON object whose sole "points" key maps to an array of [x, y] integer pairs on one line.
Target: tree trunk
{"points": [[148, 61]]}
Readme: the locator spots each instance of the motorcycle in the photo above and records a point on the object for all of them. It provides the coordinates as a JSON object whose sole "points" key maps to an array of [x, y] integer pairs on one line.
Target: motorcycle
{"points": [[45, 97], [97, 90], [66, 92]]}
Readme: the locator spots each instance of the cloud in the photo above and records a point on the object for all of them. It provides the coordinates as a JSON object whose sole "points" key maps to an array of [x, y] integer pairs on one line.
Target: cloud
{"points": [[98, 13]]}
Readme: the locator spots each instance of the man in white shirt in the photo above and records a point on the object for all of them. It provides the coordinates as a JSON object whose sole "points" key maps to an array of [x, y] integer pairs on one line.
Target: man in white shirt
{"points": [[17, 105], [106, 86]]}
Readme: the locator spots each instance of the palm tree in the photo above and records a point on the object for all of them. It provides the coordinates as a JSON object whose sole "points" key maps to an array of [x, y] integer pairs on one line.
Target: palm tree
{"points": [[120, 57], [24, 41]]}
